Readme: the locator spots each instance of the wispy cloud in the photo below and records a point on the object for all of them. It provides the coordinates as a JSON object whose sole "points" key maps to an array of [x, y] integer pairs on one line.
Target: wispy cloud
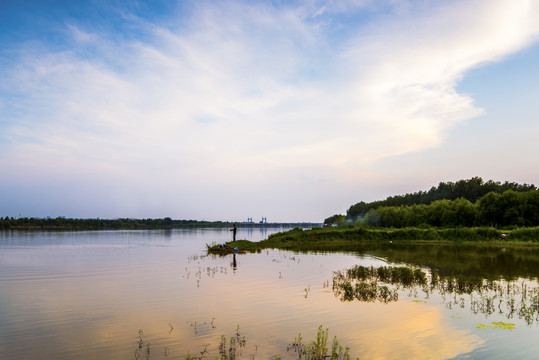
{"points": [[252, 94]]}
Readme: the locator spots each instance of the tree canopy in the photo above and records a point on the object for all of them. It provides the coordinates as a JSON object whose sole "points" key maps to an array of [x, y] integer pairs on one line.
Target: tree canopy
{"points": [[471, 202]]}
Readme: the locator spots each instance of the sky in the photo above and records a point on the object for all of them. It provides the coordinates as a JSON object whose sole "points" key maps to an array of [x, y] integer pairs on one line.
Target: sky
{"points": [[289, 110]]}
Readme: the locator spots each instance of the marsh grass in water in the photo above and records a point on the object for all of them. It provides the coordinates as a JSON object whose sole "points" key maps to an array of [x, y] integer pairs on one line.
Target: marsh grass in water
{"points": [[141, 349], [369, 284], [362, 283], [318, 349], [231, 349], [228, 350]]}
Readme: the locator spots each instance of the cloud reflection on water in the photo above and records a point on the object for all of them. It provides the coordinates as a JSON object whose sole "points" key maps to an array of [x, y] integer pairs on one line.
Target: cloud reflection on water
{"points": [[95, 303]]}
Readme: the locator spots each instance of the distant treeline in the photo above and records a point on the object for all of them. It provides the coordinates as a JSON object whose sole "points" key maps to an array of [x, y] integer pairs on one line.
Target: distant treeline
{"points": [[464, 203], [61, 223]]}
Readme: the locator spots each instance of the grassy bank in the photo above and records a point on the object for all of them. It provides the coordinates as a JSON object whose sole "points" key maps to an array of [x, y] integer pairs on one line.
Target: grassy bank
{"points": [[235, 247], [349, 238]]}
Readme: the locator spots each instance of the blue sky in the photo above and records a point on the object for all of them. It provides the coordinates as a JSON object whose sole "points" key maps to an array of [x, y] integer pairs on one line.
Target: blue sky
{"points": [[293, 110]]}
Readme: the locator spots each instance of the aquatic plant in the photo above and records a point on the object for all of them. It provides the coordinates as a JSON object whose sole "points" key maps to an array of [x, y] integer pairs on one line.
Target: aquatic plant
{"points": [[366, 287], [203, 354], [231, 349], [497, 325], [140, 343], [318, 349], [369, 284], [227, 350]]}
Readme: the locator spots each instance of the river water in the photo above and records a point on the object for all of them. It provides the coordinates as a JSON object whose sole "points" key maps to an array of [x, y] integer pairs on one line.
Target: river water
{"points": [[157, 295]]}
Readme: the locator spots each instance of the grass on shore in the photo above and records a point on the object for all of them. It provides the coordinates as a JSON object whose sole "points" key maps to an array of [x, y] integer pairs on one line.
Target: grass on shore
{"points": [[348, 238], [234, 247]]}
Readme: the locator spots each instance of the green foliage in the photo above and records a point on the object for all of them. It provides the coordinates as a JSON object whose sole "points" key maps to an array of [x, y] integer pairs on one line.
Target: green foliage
{"points": [[510, 208], [525, 234], [318, 349], [351, 238], [230, 247], [471, 189], [337, 219], [464, 203]]}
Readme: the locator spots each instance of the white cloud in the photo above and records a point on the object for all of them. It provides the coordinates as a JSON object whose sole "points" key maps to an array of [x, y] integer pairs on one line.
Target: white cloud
{"points": [[248, 95]]}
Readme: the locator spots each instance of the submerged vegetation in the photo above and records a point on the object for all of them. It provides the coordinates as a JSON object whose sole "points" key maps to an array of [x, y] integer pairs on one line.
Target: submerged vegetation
{"points": [[383, 284], [497, 325]]}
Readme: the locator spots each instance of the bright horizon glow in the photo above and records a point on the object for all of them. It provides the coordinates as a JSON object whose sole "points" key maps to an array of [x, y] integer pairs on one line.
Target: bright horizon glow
{"points": [[293, 111]]}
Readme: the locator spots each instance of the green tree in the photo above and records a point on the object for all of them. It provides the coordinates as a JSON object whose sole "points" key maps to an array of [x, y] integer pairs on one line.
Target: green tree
{"points": [[513, 206], [490, 209], [334, 219], [459, 212]]}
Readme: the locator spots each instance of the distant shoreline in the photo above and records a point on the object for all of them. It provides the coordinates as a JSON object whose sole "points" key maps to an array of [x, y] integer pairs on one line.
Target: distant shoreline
{"points": [[68, 224]]}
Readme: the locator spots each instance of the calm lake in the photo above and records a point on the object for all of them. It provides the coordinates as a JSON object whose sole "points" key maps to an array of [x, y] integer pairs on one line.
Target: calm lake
{"points": [[156, 295]]}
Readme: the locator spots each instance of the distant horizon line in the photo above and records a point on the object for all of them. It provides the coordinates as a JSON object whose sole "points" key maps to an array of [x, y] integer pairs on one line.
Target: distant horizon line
{"points": [[158, 218]]}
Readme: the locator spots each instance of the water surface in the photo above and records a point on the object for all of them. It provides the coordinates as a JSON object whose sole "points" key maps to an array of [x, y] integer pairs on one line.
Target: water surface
{"points": [[86, 295]]}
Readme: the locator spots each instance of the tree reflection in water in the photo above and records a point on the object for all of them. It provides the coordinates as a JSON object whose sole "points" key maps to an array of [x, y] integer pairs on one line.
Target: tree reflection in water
{"points": [[510, 298]]}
